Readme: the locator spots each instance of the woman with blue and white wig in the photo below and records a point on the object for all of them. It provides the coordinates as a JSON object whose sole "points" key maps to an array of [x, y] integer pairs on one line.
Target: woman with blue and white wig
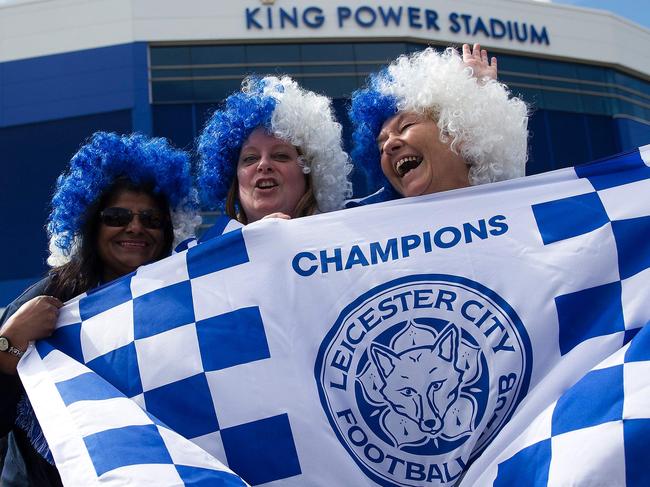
{"points": [[432, 122], [275, 149], [122, 203]]}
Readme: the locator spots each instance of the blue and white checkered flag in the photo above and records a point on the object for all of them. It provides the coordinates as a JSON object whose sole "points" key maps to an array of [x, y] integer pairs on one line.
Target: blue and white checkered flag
{"points": [[475, 336]]}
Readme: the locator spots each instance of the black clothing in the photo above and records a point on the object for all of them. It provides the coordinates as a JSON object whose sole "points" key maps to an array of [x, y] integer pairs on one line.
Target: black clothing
{"points": [[40, 472]]}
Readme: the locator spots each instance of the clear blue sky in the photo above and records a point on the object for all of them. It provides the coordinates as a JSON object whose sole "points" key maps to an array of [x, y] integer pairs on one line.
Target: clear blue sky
{"points": [[636, 10]]}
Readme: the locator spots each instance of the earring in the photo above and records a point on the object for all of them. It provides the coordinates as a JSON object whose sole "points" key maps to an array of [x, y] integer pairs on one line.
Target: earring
{"points": [[305, 168]]}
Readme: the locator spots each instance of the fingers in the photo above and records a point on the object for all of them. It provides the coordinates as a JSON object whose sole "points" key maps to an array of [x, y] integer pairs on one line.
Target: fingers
{"points": [[467, 53], [56, 302], [476, 51], [280, 215], [493, 62]]}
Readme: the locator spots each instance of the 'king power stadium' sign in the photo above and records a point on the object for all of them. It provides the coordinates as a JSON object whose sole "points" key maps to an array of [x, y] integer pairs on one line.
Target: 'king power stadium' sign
{"points": [[269, 18]]}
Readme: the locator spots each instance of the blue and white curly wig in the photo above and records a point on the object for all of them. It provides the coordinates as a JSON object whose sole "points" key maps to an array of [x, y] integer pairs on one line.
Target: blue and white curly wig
{"points": [[479, 119], [300, 117], [95, 167]]}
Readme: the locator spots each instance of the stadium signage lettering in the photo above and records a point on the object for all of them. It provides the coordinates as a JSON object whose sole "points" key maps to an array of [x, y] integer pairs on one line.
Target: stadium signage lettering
{"points": [[416, 18], [339, 259]]}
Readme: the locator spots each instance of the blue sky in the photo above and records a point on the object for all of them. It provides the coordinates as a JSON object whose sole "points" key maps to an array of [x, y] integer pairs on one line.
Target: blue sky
{"points": [[636, 10]]}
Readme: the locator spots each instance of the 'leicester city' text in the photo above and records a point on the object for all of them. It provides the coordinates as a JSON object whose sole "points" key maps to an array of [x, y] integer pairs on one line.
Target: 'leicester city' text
{"points": [[339, 259]]}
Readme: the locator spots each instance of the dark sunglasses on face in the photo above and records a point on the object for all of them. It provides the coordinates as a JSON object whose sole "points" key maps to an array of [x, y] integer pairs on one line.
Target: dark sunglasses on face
{"points": [[121, 217]]}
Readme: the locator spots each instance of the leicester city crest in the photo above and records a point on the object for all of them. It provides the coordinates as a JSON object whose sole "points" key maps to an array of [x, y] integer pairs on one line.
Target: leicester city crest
{"points": [[418, 375]]}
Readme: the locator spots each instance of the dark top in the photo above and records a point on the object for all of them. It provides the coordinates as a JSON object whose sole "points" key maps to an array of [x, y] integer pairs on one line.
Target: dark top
{"points": [[40, 472]]}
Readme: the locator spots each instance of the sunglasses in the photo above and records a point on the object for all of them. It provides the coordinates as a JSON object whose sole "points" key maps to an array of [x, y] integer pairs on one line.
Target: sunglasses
{"points": [[121, 217]]}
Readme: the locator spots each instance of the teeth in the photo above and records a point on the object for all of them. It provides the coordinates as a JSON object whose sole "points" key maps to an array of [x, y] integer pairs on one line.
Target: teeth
{"points": [[132, 244], [266, 184], [406, 164]]}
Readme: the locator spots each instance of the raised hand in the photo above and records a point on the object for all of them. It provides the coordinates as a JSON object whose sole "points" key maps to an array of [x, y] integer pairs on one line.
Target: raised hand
{"points": [[484, 69]]}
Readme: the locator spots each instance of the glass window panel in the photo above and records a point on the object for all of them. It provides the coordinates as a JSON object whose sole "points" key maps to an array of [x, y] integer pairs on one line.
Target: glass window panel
{"points": [[531, 96], [366, 69], [327, 52], [171, 73], [596, 104], [412, 47], [267, 53], [218, 55], [556, 68], [202, 112], [629, 82], [173, 122], [330, 68], [384, 52], [556, 100], [215, 90], [237, 72], [338, 86], [591, 73], [178, 91], [161, 56], [275, 70], [516, 63], [631, 109]]}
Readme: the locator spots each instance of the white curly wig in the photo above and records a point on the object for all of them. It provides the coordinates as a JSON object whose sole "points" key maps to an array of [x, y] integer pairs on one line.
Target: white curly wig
{"points": [[479, 119]]}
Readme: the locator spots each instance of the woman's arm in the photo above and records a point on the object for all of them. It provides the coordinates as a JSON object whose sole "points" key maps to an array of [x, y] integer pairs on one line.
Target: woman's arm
{"points": [[34, 320]]}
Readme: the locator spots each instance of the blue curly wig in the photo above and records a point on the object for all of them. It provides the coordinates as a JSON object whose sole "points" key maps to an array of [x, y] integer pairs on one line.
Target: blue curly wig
{"points": [[106, 157], [223, 136], [368, 112]]}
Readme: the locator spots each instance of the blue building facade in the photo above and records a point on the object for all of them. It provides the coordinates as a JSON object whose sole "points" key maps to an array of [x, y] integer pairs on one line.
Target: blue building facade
{"points": [[50, 104]]}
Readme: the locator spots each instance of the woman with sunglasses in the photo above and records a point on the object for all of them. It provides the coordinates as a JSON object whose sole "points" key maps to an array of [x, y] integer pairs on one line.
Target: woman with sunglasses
{"points": [[122, 203]]}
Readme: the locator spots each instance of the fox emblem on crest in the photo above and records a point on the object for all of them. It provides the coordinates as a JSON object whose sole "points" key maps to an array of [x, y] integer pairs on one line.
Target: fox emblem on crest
{"points": [[422, 382]]}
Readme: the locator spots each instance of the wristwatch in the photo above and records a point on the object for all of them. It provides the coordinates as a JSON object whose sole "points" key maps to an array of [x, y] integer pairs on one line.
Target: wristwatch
{"points": [[5, 346]]}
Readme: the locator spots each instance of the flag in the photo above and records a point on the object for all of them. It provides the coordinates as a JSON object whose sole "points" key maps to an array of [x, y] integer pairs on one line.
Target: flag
{"points": [[454, 337]]}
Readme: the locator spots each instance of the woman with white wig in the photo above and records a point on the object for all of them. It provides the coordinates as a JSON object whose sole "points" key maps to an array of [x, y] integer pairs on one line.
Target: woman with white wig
{"points": [[429, 122], [275, 149]]}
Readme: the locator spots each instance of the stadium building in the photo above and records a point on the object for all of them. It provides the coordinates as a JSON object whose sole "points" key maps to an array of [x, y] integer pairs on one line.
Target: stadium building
{"points": [[71, 67]]}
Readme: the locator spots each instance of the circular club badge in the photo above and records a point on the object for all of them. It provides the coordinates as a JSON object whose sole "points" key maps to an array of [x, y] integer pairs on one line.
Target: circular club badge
{"points": [[419, 374]]}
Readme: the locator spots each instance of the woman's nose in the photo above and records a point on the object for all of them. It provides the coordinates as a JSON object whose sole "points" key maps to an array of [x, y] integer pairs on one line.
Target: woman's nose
{"points": [[392, 144], [264, 164], [135, 225]]}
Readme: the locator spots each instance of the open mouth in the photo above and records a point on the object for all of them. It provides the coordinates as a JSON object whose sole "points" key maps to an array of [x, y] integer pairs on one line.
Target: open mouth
{"points": [[406, 164], [266, 184]]}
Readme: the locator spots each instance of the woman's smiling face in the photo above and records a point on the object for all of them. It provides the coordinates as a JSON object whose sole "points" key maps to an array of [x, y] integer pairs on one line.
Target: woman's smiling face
{"points": [[269, 175], [122, 249], [413, 158]]}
